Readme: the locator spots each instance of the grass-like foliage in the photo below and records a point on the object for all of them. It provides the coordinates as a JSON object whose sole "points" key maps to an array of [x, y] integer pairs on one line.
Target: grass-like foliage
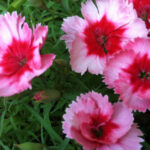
{"points": [[23, 121]]}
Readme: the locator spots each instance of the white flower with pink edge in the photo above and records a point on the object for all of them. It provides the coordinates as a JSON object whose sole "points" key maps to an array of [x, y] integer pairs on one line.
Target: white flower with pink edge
{"points": [[103, 32], [20, 59], [129, 74]]}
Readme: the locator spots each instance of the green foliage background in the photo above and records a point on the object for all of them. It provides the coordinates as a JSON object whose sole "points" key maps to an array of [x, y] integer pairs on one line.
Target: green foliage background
{"points": [[24, 120]]}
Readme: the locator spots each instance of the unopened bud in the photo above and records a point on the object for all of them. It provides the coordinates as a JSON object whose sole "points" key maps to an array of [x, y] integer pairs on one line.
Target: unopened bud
{"points": [[46, 95], [60, 62], [38, 3]]}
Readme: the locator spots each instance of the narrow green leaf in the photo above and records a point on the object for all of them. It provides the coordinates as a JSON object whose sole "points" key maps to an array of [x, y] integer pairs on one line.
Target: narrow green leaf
{"points": [[15, 5], [4, 146], [2, 8], [45, 124], [2, 122], [64, 144], [30, 146], [65, 3]]}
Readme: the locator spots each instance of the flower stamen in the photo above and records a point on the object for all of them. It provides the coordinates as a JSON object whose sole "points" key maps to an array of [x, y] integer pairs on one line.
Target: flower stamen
{"points": [[144, 75], [97, 132], [23, 62]]}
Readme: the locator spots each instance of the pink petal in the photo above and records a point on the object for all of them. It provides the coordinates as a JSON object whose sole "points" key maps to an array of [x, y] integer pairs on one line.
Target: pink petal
{"points": [[25, 33], [71, 26], [81, 62], [87, 145], [139, 46], [111, 147], [17, 85], [137, 25], [78, 56], [120, 11], [123, 117], [46, 62], [10, 26], [132, 100], [115, 65], [89, 11], [39, 37], [132, 140], [103, 103], [102, 7]]}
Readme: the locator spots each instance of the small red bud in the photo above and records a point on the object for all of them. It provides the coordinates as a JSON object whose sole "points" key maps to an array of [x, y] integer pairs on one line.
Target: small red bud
{"points": [[46, 95]]}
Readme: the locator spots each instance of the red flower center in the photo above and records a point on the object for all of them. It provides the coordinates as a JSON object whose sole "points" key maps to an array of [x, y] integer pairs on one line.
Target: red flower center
{"points": [[22, 62], [16, 57], [97, 132], [103, 38], [139, 73], [144, 75], [98, 129], [96, 124]]}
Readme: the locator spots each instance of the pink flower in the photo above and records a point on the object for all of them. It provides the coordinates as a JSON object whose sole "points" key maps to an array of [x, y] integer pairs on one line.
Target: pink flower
{"points": [[143, 10], [20, 58], [95, 123], [129, 74], [103, 32]]}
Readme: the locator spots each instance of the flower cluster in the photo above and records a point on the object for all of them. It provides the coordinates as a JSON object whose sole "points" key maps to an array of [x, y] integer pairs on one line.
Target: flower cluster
{"points": [[112, 39], [103, 33]]}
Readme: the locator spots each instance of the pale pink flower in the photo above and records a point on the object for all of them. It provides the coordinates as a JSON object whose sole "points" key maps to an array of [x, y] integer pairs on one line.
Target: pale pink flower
{"points": [[129, 74], [20, 58], [103, 32], [95, 123]]}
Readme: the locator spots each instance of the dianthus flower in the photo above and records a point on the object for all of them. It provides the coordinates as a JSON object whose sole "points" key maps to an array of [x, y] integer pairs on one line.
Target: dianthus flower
{"points": [[129, 74], [104, 30], [20, 58], [97, 124], [143, 10]]}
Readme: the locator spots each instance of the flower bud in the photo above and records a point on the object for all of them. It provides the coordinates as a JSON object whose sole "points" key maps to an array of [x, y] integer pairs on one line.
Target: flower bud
{"points": [[38, 3], [46, 95], [60, 62]]}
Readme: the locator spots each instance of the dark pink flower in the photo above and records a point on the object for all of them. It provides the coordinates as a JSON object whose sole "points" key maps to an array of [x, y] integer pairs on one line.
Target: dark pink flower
{"points": [[129, 74], [20, 58], [102, 33], [95, 123]]}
